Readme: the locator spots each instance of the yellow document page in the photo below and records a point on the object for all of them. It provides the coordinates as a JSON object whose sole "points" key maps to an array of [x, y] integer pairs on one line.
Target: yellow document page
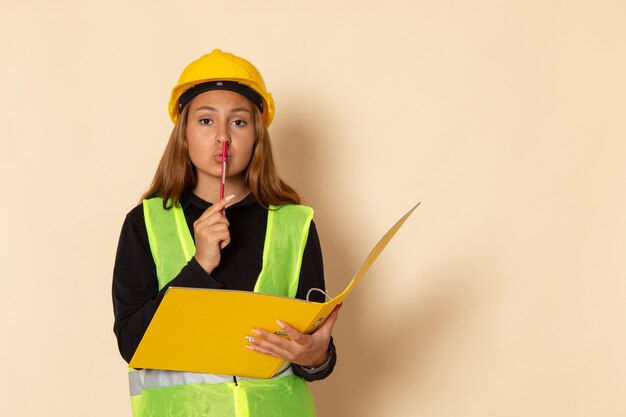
{"points": [[203, 330]]}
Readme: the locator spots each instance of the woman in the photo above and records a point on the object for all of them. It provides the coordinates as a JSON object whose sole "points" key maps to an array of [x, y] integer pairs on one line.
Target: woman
{"points": [[220, 98]]}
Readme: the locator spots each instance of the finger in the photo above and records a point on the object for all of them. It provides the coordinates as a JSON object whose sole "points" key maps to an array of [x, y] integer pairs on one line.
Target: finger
{"points": [[211, 218], [225, 242], [264, 346], [260, 349], [329, 323], [218, 206], [215, 218], [209, 228], [211, 224], [292, 333], [273, 339], [212, 234]]}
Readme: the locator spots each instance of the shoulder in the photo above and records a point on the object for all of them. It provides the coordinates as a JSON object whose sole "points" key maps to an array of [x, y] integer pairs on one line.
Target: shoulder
{"points": [[133, 234], [137, 211], [134, 222], [135, 218], [136, 214]]}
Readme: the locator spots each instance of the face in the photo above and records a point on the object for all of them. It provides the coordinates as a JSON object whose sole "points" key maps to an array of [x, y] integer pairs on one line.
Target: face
{"points": [[214, 117]]}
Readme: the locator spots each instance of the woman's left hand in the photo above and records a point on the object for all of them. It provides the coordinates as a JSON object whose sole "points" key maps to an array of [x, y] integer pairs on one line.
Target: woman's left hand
{"points": [[310, 350]]}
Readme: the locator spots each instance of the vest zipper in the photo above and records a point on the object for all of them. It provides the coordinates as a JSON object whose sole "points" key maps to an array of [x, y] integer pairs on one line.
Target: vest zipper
{"points": [[235, 380]]}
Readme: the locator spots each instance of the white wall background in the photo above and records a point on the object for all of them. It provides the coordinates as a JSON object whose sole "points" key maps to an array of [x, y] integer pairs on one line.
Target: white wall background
{"points": [[502, 296]]}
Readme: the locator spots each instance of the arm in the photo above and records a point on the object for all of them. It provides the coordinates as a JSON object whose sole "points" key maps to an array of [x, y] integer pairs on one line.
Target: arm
{"points": [[136, 296]]}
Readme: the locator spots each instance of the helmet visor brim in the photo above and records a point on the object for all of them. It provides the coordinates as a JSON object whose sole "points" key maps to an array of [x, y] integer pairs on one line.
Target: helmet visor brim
{"points": [[233, 86]]}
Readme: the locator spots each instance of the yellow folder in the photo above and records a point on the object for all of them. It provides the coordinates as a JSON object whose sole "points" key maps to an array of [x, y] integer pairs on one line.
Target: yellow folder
{"points": [[203, 330]]}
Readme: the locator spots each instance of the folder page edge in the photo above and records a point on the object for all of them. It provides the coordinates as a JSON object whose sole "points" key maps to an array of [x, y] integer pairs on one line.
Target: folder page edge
{"points": [[376, 251]]}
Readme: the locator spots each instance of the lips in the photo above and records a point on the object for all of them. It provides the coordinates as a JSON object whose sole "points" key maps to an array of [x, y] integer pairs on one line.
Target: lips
{"points": [[218, 157]]}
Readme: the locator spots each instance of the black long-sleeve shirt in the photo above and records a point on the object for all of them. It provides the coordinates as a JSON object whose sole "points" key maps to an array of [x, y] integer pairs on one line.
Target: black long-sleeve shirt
{"points": [[136, 296]]}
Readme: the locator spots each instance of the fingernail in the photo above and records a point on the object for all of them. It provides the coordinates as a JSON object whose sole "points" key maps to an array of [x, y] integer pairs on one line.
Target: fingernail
{"points": [[230, 197], [250, 339], [255, 331], [280, 324]]}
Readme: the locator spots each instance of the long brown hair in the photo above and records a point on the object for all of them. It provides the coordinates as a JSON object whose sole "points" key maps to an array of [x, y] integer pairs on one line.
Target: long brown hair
{"points": [[176, 173]]}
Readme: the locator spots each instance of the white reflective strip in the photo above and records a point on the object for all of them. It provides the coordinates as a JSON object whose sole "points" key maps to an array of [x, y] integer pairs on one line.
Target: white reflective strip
{"points": [[135, 382], [154, 378]]}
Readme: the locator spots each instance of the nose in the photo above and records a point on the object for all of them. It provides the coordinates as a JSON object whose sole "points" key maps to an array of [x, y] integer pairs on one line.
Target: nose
{"points": [[223, 135]]}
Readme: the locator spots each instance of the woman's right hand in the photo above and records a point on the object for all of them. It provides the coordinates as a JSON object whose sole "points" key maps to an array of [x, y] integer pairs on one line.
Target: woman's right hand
{"points": [[211, 235]]}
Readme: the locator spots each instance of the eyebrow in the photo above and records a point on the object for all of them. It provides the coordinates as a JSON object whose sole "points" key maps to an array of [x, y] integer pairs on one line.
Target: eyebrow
{"points": [[235, 110]]}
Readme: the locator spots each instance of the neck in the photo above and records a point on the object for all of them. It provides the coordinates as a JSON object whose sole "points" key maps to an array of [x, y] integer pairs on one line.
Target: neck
{"points": [[208, 188]]}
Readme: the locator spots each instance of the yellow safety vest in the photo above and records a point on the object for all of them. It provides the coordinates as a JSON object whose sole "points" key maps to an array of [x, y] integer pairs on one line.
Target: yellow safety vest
{"points": [[160, 393]]}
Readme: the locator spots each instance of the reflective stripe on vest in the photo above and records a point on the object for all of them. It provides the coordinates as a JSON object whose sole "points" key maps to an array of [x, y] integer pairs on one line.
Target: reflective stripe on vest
{"points": [[156, 378], [172, 247]]}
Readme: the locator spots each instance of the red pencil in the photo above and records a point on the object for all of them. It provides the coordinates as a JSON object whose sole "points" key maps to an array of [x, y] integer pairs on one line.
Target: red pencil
{"points": [[223, 180]]}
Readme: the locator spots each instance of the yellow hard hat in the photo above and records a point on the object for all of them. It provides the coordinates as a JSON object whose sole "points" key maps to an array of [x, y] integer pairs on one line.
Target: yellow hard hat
{"points": [[221, 70]]}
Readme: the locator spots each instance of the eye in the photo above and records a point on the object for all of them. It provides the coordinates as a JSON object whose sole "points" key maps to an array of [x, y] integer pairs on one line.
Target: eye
{"points": [[240, 123], [205, 121]]}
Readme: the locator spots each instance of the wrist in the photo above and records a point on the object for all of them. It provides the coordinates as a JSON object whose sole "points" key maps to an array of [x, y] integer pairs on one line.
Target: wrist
{"points": [[318, 362], [207, 266]]}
